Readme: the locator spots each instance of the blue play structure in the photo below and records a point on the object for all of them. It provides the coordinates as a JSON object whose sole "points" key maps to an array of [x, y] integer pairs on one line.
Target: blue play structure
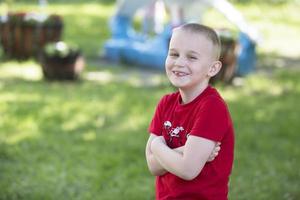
{"points": [[247, 56], [128, 46]]}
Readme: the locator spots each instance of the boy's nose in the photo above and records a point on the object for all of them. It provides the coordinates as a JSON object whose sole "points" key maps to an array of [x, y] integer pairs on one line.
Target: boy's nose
{"points": [[180, 62]]}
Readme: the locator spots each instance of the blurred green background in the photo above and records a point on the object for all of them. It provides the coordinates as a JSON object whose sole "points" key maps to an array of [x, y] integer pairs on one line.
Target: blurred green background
{"points": [[86, 139]]}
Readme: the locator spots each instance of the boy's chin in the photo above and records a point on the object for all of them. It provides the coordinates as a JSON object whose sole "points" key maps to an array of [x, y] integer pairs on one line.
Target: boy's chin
{"points": [[180, 86], [176, 84]]}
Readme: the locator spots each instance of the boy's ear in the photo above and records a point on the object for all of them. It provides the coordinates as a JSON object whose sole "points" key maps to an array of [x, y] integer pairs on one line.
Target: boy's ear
{"points": [[214, 68]]}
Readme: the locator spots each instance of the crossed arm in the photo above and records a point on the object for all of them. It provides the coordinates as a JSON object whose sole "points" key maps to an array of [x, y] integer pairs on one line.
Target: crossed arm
{"points": [[185, 162]]}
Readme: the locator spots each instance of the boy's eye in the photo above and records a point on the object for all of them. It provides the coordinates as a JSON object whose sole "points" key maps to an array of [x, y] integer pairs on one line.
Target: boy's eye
{"points": [[173, 54], [192, 57]]}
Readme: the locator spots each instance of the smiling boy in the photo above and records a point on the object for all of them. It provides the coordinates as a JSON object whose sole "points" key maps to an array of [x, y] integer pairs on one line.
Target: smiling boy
{"points": [[188, 124]]}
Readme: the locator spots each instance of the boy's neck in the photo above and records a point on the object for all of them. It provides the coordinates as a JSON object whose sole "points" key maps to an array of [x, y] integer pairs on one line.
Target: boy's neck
{"points": [[188, 95]]}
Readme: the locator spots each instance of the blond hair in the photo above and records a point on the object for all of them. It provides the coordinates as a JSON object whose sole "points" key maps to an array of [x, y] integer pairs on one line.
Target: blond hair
{"points": [[206, 31]]}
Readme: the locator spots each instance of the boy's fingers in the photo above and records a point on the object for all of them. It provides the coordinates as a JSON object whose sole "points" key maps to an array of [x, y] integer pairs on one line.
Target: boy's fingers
{"points": [[212, 156], [216, 149], [215, 152]]}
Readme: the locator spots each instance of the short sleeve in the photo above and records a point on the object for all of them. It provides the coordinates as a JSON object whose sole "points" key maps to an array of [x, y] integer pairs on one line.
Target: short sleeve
{"points": [[156, 122], [212, 119]]}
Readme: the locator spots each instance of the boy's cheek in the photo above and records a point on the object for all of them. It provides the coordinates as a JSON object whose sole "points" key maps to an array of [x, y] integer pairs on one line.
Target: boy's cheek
{"points": [[168, 62]]}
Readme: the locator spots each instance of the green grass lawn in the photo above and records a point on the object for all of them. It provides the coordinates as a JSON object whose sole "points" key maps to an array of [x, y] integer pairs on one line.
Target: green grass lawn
{"points": [[85, 140]]}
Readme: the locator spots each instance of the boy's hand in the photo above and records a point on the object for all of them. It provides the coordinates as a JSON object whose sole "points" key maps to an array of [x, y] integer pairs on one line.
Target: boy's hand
{"points": [[215, 152]]}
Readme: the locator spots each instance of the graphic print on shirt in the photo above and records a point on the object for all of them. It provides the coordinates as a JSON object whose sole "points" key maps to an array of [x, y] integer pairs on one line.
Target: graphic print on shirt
{"points": [[176, 135]]}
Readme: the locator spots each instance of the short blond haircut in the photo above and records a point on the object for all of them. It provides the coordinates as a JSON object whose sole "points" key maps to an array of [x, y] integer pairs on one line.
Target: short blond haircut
{"points": [[206, 31]]}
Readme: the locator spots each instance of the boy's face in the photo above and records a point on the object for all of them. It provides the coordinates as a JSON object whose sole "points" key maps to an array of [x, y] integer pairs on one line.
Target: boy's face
{"points": [[189, 59]]}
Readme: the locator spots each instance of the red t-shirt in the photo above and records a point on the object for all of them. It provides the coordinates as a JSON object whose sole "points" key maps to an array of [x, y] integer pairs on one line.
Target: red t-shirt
{"points": [[206, 116]]}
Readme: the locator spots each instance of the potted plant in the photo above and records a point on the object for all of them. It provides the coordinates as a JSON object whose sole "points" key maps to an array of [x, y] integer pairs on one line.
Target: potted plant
{"points": [[61, 61]]}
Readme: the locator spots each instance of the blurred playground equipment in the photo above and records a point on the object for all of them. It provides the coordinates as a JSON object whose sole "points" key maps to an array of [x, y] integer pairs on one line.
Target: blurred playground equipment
{"points": [[145, 49]]}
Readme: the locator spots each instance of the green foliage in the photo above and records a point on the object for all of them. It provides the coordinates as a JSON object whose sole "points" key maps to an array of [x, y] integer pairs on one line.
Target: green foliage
{"points": [[264, 113], [74, 141], [86, 140]]}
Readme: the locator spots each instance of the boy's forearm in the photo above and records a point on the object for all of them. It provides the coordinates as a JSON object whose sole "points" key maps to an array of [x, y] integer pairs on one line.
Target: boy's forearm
{"points": [[154, 166], [179, 149], [186, 165], [170, 159]]}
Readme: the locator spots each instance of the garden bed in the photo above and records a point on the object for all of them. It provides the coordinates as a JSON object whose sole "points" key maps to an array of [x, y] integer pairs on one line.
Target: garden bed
{"points": [[22, 35]]}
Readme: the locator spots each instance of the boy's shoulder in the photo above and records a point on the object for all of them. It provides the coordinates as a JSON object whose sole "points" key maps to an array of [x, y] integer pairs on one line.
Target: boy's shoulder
{"points": [[210, 97], [214, 99], [214, 95], [171, 96]]}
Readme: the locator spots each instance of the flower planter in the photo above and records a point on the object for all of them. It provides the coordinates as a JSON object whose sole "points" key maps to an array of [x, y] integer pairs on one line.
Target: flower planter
{"points": [[58, 67], [24, 34], [28, 40], [62, 69]]}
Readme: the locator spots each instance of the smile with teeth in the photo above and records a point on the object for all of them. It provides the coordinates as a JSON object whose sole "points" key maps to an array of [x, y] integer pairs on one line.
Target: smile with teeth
{"points": [[180, 74]]}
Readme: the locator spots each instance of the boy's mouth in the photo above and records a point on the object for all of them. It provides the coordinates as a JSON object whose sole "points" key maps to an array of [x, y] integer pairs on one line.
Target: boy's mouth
{"points": [[179, 73]]}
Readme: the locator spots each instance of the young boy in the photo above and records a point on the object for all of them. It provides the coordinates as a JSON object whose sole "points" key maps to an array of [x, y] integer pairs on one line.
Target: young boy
{"points": [[188, 124]]}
